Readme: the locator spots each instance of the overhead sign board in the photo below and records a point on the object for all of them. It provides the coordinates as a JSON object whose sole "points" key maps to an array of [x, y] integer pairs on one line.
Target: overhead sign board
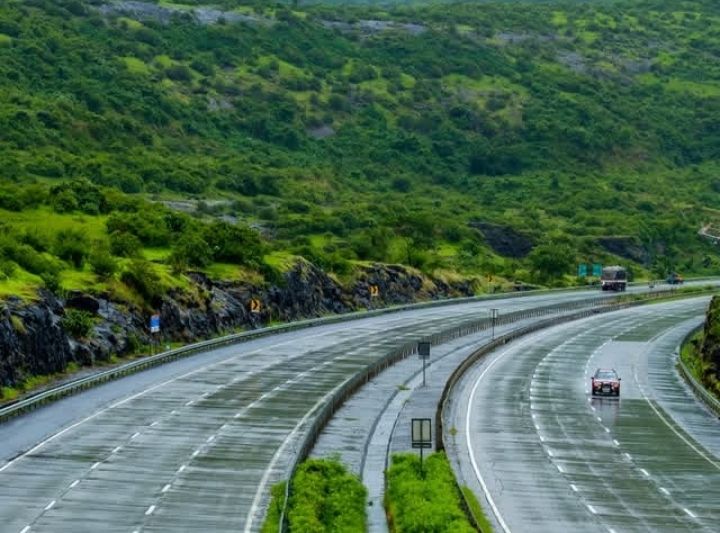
{"points": [[582, 270]]}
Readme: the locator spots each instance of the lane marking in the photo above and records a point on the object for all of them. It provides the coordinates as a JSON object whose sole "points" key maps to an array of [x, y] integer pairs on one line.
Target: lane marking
{"points": [[135, 436], [195, 453], [50, 505], [182, 467], [573, 487], [645, 472], [154, 424], [560, 469], [93, 467], [615, 442], [150, 510], [689, 512], [211, 438], [665, 491], [592, 509], [627, 456], [25, 529], [166, 488], [117, 449], [74, 483]]}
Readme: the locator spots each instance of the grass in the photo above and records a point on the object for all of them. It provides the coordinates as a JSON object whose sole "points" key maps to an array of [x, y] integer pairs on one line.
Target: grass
{"points": [[701, 370], [424, 499], [136, 66], [324, 496], [476, 510]]}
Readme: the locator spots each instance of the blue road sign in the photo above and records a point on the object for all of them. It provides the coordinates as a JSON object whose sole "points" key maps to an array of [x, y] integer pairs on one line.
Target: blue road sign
{"points": [[155, 324]]}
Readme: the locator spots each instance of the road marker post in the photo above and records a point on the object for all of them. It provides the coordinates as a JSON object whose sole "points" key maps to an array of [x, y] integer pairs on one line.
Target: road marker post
{"points": [[495, 312]]}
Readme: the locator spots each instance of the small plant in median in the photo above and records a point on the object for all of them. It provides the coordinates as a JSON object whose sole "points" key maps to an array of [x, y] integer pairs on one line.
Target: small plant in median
{"points": [[324, 497], [426, 500]]}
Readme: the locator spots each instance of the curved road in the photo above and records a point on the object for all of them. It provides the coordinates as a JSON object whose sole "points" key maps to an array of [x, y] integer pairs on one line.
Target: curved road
{"points": [[195, 445], [549, 457]]}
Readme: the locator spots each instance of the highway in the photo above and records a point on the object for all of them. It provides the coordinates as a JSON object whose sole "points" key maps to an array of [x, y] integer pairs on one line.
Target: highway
{"points": [[546, 456], [196, 445]]}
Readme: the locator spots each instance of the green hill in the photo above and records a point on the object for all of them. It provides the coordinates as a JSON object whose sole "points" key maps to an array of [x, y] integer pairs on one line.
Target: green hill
{"points": [[511, 140]]}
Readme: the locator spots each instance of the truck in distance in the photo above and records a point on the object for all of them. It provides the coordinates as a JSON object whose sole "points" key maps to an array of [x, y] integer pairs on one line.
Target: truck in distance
{"points": [[613, 278]]}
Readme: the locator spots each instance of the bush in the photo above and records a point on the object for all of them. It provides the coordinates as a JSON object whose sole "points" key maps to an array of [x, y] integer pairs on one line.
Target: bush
{"points": [[78, 323], [72, 245], [424, 500], [141, 276], [123, 244], [191, 250], [102, 263]]}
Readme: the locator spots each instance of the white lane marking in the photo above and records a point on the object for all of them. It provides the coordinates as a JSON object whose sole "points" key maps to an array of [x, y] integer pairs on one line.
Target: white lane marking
{"points": [[592, 407], [211, 438], [93, 467], [607, 429], [550, 452], [135, 436], [611, 530], [50, 505], [150, 510], [188, 404], [560, 469], [645, 472], [665, 491], [183, 467], [195, 453], [542, 439], [25, 529], [573, 487], [689, 512], [598, 419], [154, 424], [627, 456], [74, 483], [668, 424], [615, 442], [166, 488], [592, 509], [117, 449]]}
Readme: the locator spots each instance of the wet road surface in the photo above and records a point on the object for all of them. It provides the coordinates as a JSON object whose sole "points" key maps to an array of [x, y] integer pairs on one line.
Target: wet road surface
{"points": [[548, 457]]}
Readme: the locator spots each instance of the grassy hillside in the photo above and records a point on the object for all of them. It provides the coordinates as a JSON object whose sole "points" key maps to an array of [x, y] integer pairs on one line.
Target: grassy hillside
{"points": [[428, 136]]}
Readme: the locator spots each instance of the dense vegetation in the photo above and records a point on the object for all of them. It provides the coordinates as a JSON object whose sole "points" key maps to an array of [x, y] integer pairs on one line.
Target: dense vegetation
{"points": [[324, 497], [701, 354], [424, 498], [347, 134]]}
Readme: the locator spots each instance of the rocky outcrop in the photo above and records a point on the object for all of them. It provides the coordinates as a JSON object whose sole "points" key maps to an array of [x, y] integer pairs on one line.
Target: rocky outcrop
{"points": [[34, 341], [504, 240], [710, 347]]}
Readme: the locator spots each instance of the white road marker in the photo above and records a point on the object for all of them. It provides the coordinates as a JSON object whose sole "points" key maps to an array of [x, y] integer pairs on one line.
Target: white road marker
{"points": [[607, 429], [628, 456], [195, 453], [25, 529], [615, 442], [689, 512], [188, 404], [93, 467], [135, 436], [645, 472], [74, 483], [50, 505], [592, 509], [211, 438], [166, 488], [560, 469], [154, 424], [598, 419], [117, 449], [665, 491], [183, 467], [150, 510], [573, 487], [550, 452], [542, 439]]}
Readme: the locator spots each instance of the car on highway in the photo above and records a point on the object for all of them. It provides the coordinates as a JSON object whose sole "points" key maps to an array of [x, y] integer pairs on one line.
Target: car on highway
{"points": [[605, 382]]}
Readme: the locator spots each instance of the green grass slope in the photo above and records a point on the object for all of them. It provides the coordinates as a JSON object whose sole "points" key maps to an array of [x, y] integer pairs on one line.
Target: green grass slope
{"points": [[348, 134]]}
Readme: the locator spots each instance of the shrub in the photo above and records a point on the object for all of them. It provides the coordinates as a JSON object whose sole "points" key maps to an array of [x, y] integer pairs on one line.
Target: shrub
{"points": [[124, 244], [72, 245], [191, 250], [102, 263], [426, 499], [78, 323], [141, 276]]}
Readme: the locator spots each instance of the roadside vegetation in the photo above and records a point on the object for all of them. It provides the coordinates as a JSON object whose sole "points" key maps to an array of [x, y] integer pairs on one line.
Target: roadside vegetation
{"points": [[427, 499], [324, 498], [461, 141], [701, 353]]}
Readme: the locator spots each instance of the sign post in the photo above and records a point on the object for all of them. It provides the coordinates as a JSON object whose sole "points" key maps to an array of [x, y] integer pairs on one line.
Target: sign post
{"points": [[424, 354], [154, 328], [421, 435], [597, 269], [582, 270]]}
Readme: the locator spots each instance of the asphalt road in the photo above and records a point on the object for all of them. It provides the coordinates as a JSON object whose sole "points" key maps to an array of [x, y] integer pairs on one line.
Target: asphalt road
{"points": [[195, 445], [546, 456]]}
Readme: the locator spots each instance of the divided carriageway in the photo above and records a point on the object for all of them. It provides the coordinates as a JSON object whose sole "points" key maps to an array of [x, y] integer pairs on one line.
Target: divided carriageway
{"points": [[195, 445]]}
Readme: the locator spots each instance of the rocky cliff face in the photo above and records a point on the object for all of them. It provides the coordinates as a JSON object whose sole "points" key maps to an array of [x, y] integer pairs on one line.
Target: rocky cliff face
{"points": [[33, 340]]}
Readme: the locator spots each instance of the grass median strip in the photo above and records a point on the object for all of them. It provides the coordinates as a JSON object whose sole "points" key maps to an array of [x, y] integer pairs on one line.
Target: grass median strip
{"points": [[427, 498], [324, 497]]}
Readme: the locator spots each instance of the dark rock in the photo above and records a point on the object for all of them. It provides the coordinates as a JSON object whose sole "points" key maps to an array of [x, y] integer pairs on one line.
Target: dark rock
{"points": [[627, 247], [83, 302], [504, 240]]}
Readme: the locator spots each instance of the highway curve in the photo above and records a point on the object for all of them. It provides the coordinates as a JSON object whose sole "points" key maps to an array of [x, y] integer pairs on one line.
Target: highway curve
{"points": [[548, 457], [195, 445]]}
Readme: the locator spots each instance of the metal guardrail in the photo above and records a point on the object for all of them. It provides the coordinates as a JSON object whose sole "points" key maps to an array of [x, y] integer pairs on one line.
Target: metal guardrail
{"points": [[704, 395], [31, 403]]}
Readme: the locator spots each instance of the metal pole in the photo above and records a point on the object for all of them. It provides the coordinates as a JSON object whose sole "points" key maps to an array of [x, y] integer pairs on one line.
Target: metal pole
{"points": [[423, 377], [494, 316]]}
